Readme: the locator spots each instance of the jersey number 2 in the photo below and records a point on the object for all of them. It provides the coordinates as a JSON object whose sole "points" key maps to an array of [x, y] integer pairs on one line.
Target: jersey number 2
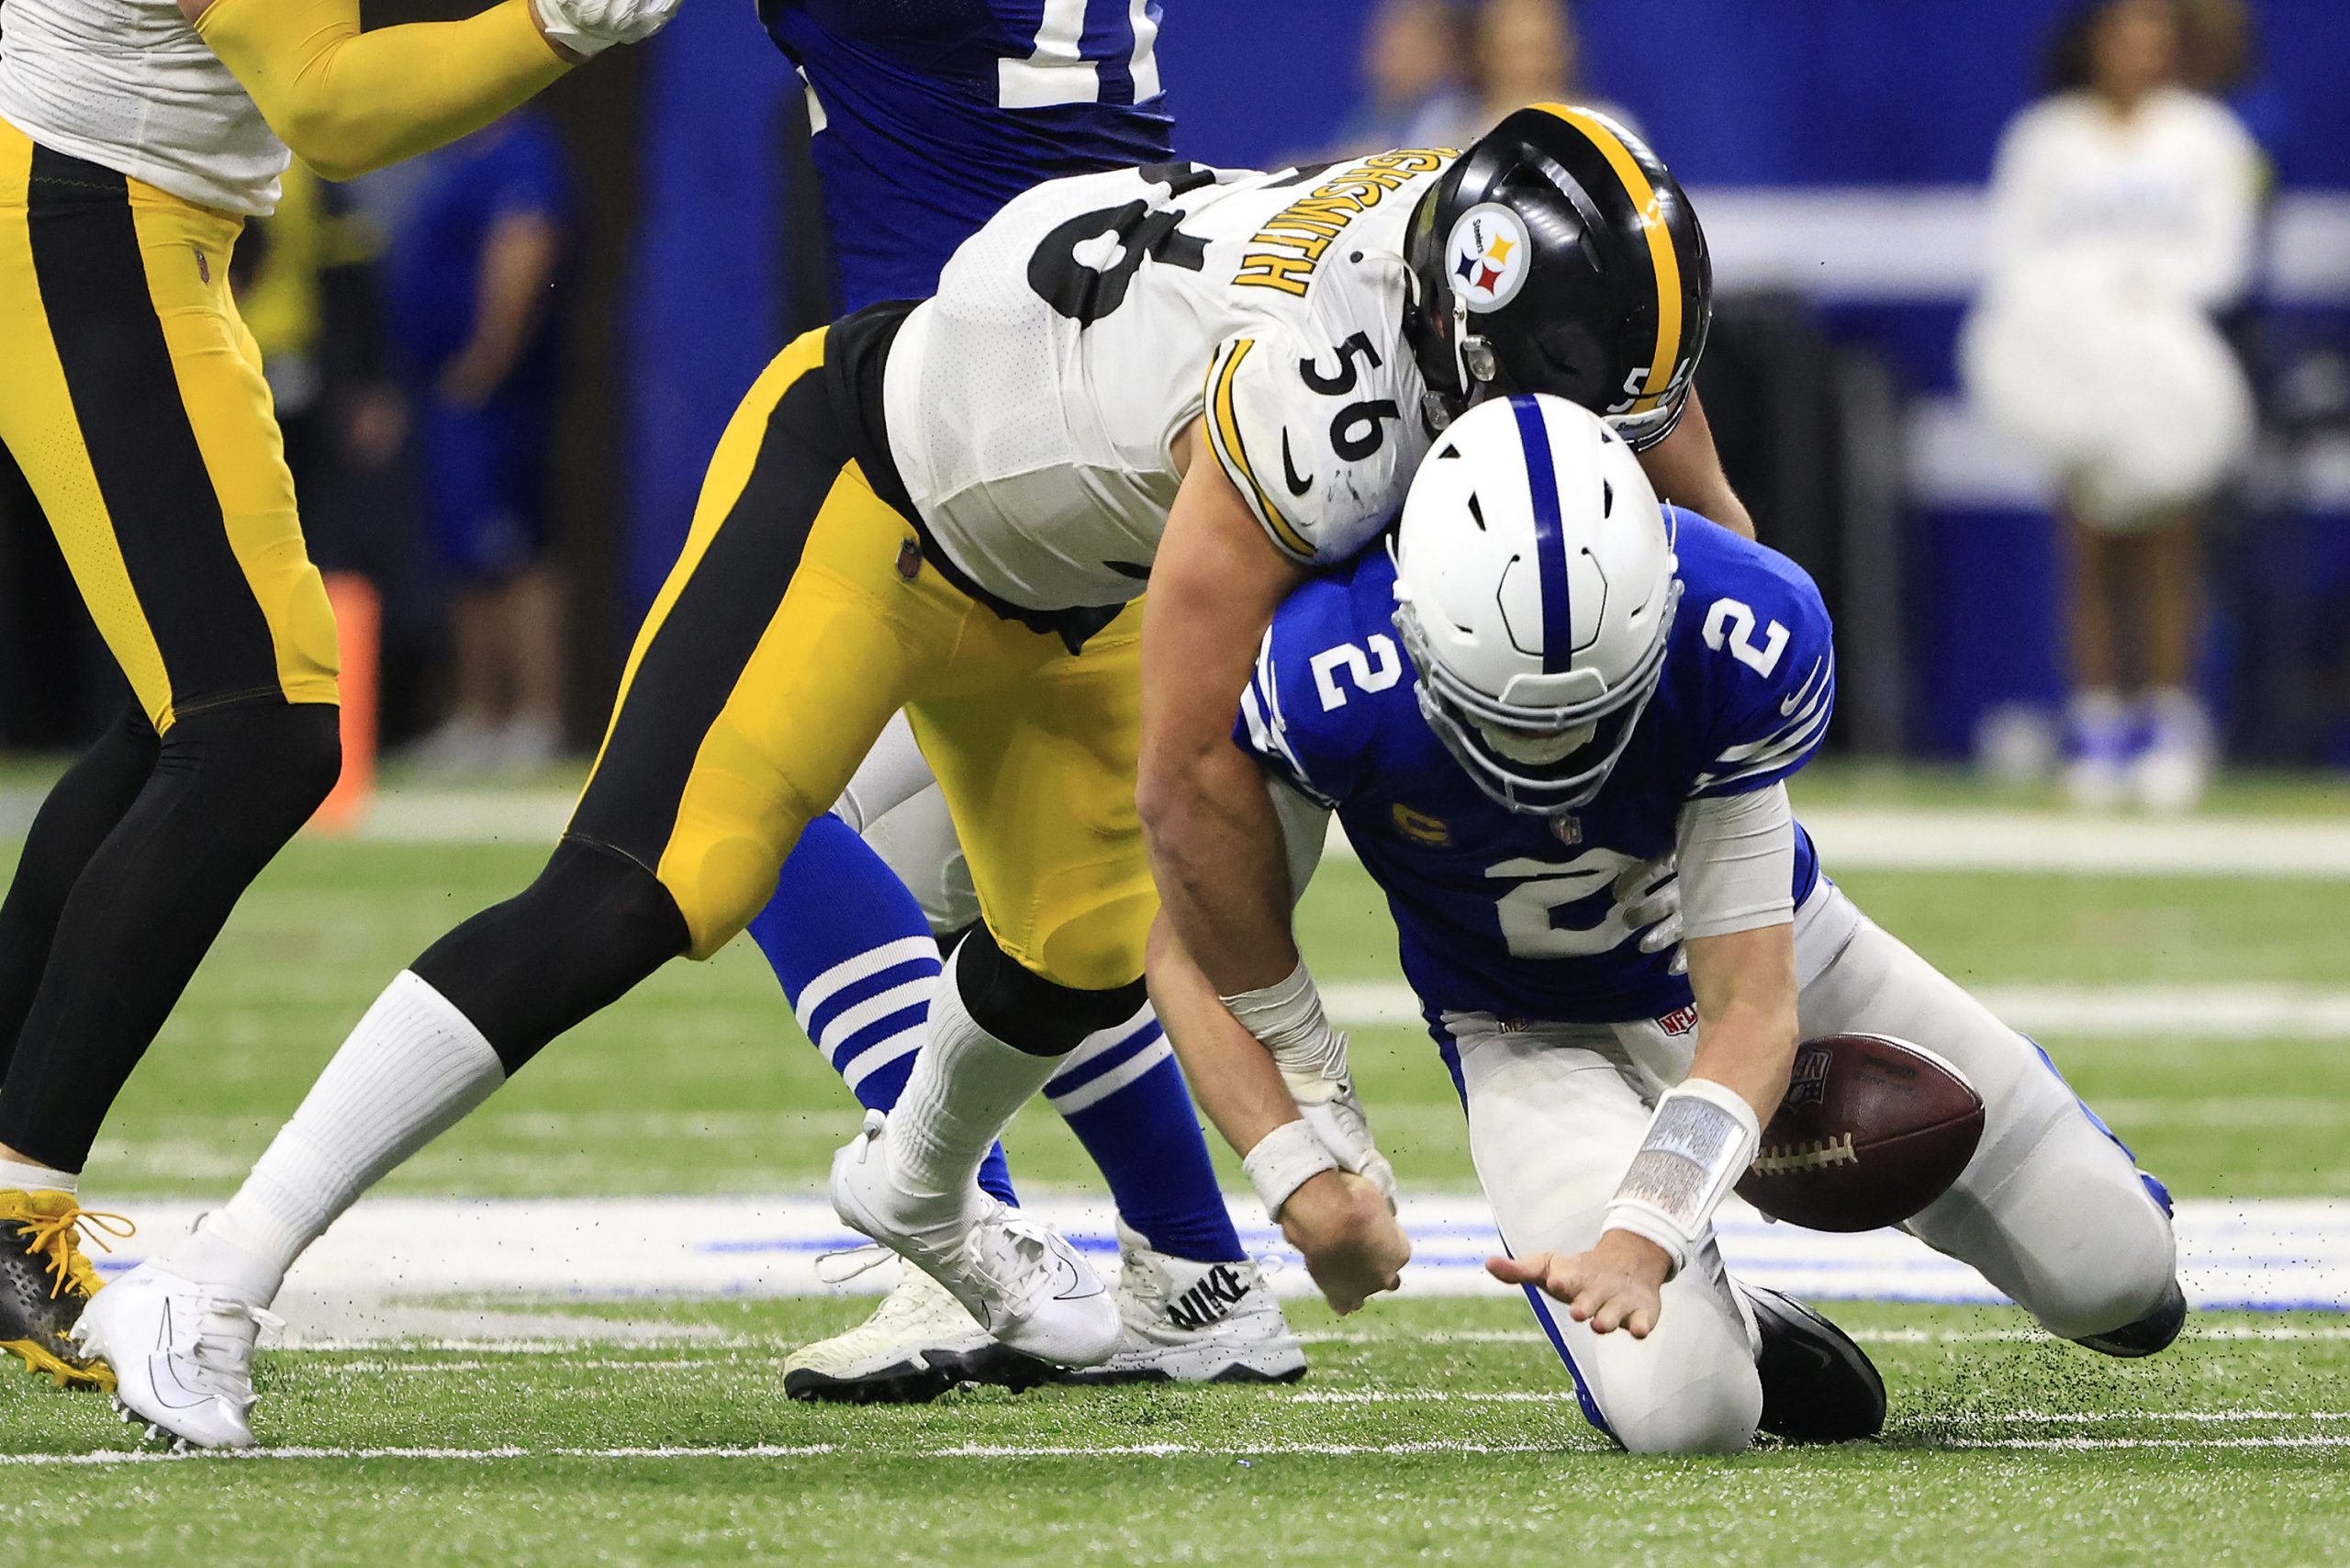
{"points": [[1730, 624]]}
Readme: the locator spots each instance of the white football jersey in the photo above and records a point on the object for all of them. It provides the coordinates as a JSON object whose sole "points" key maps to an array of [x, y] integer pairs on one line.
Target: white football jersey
{"points": [[128, 85], [1033, 404]]}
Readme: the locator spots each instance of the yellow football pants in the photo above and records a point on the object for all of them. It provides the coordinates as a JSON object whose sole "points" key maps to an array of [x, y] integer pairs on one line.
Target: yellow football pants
{"points": [[800, 617], [131, 396]]}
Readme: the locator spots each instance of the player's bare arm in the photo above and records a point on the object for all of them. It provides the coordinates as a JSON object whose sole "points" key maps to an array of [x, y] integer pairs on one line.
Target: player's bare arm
{"points": [[1342, 1223], [348, 102], [1745, 986], [1686, 470], [1215, 845]]}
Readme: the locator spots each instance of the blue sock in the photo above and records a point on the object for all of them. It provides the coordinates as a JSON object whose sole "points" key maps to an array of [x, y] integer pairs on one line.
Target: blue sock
{"points": [[1124, 1096], [857, 964]]}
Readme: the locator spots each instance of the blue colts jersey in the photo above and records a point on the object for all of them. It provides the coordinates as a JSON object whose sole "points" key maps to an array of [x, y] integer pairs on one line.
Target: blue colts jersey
{"points": [[1499, 912], [931, 114]]}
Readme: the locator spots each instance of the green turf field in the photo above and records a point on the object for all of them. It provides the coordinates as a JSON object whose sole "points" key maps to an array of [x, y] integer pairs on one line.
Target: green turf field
{"points": [[1429, 1428], [1431, 1431], [698, 1080]]}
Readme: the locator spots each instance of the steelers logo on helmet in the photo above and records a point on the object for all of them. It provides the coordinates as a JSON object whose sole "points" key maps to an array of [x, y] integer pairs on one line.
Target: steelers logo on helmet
{"points": [[1490, 255]]}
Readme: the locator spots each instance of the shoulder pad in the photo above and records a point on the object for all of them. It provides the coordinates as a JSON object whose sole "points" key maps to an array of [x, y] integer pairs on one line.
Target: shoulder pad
{"points": [[1319, 438], [1771, 659]]}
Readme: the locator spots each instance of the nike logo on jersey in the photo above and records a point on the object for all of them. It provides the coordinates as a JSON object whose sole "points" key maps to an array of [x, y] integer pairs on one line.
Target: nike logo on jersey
{"points": [[1297, 487]]}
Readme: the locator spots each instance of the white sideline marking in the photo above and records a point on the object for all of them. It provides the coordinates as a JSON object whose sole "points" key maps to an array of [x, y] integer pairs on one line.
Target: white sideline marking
{"points": [[118, 1457], [2105, 1012], [1850, 837], [2107, 1445], [1861, 838], [2265, 1253]]}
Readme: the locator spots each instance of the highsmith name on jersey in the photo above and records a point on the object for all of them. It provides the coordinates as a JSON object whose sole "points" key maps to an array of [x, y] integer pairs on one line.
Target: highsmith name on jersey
{"points": [[1035, 403], [1517, 916]]}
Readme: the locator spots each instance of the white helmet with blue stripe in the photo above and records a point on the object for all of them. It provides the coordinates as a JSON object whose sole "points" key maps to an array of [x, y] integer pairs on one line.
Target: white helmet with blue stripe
{"points": [[1536, 587]]}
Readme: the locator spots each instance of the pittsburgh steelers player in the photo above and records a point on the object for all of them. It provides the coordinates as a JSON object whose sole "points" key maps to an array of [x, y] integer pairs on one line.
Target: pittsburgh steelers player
{"points": [[921, 135], [1554, 703], [136, 137], [949, 508], [916, 146]]}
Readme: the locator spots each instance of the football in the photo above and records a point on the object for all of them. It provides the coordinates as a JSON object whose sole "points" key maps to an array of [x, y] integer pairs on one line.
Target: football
{"points": [[1872, 1130]]}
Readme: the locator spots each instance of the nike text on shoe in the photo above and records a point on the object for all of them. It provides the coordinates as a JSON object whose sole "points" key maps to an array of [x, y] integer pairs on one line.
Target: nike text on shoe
{"points": [[2148, 1334], [45, 1282], [182, 1352], [1024, 1284], [1818, 1386], [918, 1344], [1187, 1322]]}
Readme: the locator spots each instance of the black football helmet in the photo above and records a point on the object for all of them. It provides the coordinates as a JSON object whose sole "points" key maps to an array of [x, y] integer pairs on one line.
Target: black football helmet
{"points": [[1559, 255]]}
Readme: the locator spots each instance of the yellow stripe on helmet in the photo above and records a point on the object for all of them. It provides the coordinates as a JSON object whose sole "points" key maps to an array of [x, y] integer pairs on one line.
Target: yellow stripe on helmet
{"points": [[1661, 252]]}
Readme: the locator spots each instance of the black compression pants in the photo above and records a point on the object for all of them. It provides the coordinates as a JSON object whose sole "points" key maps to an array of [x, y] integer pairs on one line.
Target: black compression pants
{"points": [[130, 871]]}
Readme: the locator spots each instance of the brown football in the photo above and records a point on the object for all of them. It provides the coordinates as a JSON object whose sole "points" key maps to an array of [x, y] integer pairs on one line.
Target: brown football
{"points": [[1873, 1130]]}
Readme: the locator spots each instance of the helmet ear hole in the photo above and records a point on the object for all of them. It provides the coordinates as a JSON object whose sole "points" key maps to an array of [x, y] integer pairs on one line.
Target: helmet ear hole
{"points": [[1608, 497], [1477, 512]]}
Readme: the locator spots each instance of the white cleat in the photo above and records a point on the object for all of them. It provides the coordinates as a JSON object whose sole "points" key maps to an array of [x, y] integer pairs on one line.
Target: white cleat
{"points": [[182, 1353], [1026, 1286], [918, 1344], [1189, 1322]]}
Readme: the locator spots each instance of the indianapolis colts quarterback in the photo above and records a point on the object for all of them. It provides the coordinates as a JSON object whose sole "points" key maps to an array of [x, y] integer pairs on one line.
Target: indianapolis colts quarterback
{"points": [[1555, 695]]}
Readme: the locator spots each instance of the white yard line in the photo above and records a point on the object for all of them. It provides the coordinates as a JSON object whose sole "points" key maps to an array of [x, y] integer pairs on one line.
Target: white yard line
{"points": [[2223, 1011], [373, 1277], [2167, 1445], [108, 1458]]}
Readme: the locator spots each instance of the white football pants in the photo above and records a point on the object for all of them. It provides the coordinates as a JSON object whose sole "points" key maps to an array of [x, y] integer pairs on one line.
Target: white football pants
{"points": [[2051, 1209]]}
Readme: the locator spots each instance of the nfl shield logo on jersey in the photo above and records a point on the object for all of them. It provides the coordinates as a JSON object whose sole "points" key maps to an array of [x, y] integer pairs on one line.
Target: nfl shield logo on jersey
{"points": [[1567, 829], [1490, 256]]}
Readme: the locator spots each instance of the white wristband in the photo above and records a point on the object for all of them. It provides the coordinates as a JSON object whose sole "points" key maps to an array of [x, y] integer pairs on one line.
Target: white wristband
{"points": [[1699, 1143], [1288, 1021], [1283, 1160]]}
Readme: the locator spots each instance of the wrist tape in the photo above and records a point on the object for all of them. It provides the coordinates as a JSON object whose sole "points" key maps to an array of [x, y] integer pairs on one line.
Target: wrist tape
{"points": [[1288, 1021], [1283, 1160], [1699, 1143]]}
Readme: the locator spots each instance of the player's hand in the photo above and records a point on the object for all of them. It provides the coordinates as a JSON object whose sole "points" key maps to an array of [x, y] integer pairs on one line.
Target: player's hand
{"points": [[582, 29], [1617, 1284], [1649, 896], [1353, 1246], [1344, 1129]]}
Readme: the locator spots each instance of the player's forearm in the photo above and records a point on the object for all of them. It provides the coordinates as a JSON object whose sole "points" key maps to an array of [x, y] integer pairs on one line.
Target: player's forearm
{"points": [[1745, 986], [1217, 851], [1215, 839], [1232, 1077], [348, 103]]}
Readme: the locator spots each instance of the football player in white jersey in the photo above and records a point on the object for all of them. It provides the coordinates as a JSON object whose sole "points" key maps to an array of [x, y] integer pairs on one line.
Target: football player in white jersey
{"points": [[136, 138], [1190, 377]]}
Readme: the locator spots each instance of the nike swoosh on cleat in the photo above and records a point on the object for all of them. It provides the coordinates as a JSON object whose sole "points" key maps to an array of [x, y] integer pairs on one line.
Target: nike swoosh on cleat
{"points": [[160, 1376], [1297, 487]]}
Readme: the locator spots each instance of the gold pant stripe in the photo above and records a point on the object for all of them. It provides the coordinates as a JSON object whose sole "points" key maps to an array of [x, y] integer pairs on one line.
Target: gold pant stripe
{"points": [[796, 622], [131, 398]]}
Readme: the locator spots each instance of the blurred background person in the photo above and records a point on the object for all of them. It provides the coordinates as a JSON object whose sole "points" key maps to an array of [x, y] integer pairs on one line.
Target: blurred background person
{"points": [[472, 274], [2123, 211], [1414, 71], [1530, 51]]}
